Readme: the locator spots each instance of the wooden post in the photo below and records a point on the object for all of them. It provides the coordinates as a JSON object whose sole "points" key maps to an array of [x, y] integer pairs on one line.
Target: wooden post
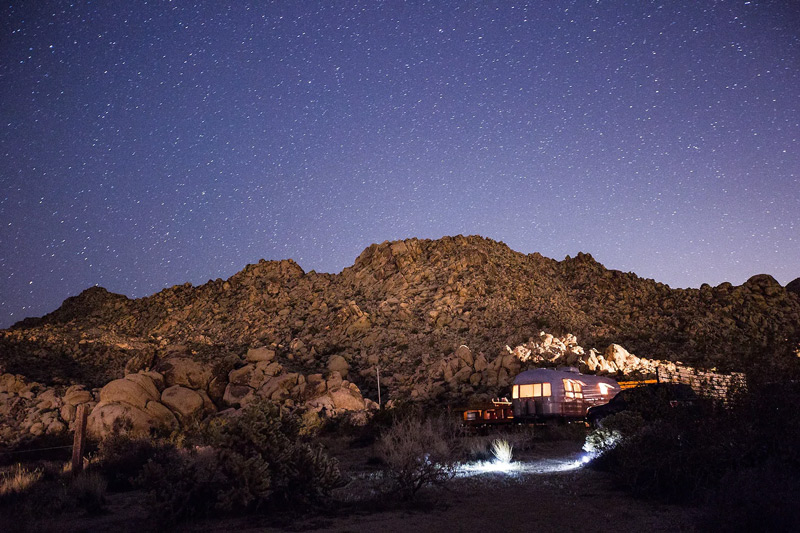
{"points": [[79, 441], [378, 372]]}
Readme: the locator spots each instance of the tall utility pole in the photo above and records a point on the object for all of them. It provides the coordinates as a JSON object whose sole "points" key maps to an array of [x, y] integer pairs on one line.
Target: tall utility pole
{"points": [[378, 373]]}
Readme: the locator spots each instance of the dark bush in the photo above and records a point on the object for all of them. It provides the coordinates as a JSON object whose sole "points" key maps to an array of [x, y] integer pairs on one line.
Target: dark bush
{"points": [[761, 498], [748, 452], [418, 452], [244, 463], [120, 459]]}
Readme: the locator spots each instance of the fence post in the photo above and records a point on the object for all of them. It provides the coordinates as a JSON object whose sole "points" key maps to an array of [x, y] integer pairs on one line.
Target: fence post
{"points": [[79, 441]]}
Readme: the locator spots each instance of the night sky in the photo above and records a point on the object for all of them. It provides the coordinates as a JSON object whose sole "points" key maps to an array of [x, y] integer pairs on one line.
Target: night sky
{"points": [[146, 144]]}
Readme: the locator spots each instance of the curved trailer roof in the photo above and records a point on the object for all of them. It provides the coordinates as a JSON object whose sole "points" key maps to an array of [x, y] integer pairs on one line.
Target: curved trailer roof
{"points": [[540, 375]]}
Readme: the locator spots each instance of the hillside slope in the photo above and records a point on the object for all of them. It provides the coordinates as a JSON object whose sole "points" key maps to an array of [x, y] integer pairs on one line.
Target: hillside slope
{"points": [[402, 303]]}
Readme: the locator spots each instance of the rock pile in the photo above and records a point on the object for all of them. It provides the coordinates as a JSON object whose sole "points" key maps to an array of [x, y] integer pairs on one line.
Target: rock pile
{"points": [[565, 351], [29, 409], [176, 392], [463, 375]]}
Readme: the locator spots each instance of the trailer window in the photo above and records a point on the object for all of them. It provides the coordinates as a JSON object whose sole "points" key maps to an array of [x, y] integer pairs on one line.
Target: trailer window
{"points": [[572, 389], [531, 390], [605, 389]]}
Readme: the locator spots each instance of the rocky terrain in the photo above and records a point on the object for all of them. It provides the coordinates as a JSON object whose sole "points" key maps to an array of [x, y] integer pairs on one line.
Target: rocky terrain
{"points": [[437, 319]]}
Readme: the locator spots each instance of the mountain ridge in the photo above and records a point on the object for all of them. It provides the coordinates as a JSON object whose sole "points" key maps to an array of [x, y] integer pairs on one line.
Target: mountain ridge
{"points": [[402, 300]]}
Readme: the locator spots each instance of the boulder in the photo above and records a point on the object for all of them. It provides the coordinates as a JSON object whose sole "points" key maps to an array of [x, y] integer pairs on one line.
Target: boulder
{"points": [[47, 399], [590, 360], [238, 395], [75, 395], [101, 421], [278, 387], [315, 386], [145, 382], [216, 388], [184, 371], [334, 380], [55, 427], [616, 354], [465, 354], [346, 399], [156, 377], [182, 401], [269, 368], [337, 363], [68, 412], [161, 414], [11, 383], [126, 391], [463, 375], [241, 376], [254, 355]]}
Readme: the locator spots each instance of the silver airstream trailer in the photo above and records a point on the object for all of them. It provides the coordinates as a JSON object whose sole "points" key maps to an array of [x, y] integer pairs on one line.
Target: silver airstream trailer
{"points": [[546, 393]]}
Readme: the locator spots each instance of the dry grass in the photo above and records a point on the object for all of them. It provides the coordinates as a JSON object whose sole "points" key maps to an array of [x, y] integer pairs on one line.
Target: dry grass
{"points": [[502, 451], [89, 491], [18, 480]]}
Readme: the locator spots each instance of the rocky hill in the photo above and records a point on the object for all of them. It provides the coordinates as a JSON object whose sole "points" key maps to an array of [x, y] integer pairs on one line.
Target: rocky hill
{"points": [[403, 303], [437, 317]]}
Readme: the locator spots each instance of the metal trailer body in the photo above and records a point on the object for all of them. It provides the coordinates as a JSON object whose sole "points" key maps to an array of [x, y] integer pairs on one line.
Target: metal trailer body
{"points": [[565, 393]]}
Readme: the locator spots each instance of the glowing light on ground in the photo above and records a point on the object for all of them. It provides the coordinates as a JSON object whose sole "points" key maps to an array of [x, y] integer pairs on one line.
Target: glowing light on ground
{"points": [[516, 468]]}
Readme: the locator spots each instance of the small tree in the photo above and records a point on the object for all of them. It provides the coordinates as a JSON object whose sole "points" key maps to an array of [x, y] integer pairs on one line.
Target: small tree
{"points": [[419, 452]]}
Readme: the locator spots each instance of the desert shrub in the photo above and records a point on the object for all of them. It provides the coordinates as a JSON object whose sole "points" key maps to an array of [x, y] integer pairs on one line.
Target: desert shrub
{"points": [[478, 447], [502, 450], [120, 459], [601, 441], [299, 472], [681, 456], [243, 463], [180, 485], [310, 423], [29, 495], [418, 452]]}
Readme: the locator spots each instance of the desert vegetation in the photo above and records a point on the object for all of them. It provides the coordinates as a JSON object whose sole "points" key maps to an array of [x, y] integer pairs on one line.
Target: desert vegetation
{"points": [[258, 460], [418, 452], [740, 461]]}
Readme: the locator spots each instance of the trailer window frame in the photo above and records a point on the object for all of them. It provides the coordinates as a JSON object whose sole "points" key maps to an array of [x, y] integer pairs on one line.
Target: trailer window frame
{"points": [[573, 389], [532, 390]]}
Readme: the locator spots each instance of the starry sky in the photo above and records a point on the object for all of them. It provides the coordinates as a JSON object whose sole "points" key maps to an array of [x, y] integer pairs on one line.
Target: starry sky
{"points": [[144, 144]]}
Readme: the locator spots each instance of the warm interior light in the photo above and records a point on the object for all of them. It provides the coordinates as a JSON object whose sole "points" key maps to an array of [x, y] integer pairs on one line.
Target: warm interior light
{"points": [[605, 388]]}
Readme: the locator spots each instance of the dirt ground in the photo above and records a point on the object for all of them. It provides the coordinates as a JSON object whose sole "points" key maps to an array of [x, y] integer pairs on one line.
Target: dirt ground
{"points": [[547, 492], [551, 493]]}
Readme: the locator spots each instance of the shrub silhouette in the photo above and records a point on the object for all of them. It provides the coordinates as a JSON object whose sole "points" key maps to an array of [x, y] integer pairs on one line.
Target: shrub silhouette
{"points": [[418, 452], [244, 463]]}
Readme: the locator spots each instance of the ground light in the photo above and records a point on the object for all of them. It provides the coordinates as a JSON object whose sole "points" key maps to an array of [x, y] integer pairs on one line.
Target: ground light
{"points": [[517, 468]]}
